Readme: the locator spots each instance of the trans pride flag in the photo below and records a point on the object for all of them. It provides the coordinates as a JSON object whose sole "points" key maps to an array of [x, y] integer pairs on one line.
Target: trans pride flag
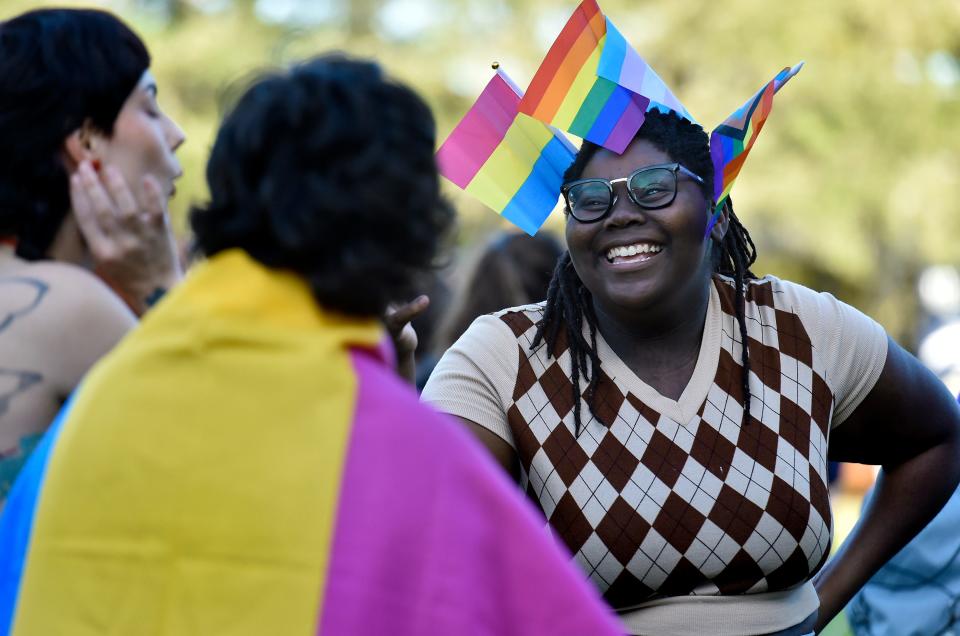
{"points": [[246, 463], [593, 84], [508, 161], [731, 141]]}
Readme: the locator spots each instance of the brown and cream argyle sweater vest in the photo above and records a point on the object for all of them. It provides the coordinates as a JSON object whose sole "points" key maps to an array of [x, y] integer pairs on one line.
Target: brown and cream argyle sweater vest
{"points": [[655, 507]]}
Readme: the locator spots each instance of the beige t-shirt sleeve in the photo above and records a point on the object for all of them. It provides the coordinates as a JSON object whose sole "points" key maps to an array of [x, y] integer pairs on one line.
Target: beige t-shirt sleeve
{"points": [[852, 345], [475, 377]]}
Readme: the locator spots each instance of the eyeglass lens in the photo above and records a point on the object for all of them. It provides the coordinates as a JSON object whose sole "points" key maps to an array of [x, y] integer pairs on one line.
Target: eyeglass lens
{"points": [[653, 188]]}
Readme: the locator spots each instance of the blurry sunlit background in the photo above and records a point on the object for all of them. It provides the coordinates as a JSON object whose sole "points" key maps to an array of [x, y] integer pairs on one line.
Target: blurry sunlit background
{"points": [[853, 187]]}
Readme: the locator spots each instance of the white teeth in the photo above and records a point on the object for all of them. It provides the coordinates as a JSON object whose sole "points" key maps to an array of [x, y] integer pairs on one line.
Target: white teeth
{"points": [[633, 250]]}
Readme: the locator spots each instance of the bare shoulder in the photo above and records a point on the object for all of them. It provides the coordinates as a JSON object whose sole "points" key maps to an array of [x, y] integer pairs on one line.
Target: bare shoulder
{"points": [[58, 319], [62, 286], [54, 273]]}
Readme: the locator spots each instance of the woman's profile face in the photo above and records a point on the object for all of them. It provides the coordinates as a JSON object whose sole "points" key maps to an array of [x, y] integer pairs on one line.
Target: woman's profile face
{"points": [[636, 259], [144, 141]]}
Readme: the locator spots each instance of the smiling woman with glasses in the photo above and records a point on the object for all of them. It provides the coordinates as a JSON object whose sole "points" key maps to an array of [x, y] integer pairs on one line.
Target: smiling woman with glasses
{"points": [[670, 411]]}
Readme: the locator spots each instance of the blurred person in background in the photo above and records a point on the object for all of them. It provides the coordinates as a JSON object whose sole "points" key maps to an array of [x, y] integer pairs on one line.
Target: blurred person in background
{"points": [[918, 591], [247, 461], [670, 411], [86, 170], [939, 348], [512, 269]]}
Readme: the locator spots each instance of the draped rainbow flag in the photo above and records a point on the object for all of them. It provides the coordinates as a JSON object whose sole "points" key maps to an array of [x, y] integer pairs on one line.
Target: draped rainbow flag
{"points": [[245, 463], [593, 84], [731, 141], [510, 162]]}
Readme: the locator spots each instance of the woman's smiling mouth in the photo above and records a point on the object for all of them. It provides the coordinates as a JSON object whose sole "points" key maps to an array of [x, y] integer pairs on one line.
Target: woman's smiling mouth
{"points": [[634, 253]]}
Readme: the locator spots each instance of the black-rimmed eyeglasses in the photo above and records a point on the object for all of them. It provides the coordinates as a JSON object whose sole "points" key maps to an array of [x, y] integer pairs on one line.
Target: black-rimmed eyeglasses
{"points": [[650, 187]]}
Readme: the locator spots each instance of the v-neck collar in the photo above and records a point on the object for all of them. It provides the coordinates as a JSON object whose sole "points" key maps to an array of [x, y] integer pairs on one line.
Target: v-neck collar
{"points": [[688, 404]]}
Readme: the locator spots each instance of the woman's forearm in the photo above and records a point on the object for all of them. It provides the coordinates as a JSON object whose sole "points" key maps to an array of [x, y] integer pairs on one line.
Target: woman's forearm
{"points": [[906, 497]]}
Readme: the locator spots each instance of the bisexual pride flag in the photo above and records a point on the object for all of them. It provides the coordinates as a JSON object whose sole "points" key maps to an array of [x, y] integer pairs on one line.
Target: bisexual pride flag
{"points": [[246, 463], [508, 161]]}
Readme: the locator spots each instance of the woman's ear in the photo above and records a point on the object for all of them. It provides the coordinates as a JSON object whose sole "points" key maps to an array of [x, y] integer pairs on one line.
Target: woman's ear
{"points": [[719, 229], [80, 145]]}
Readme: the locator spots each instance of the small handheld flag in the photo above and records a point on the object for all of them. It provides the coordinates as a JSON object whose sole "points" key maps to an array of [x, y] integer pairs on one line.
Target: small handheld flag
{"points": [[621, 63], [567, 92], [731, 141], [510, 162], [593, 84]]}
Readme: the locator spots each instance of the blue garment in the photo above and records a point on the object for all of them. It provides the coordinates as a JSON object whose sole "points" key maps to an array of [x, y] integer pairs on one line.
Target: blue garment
{"points": [[16, 520], [918, 591]]}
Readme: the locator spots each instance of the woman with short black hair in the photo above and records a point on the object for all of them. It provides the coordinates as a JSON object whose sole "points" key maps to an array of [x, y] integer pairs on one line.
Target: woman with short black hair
{"points": [[87, 166]]}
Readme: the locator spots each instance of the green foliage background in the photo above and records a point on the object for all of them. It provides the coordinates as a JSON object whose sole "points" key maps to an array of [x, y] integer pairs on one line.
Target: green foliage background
{"points": [[852, 188]]}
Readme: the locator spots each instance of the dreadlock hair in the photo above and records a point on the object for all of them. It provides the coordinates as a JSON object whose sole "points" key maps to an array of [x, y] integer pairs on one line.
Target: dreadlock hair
{"points": [[569, 302]]}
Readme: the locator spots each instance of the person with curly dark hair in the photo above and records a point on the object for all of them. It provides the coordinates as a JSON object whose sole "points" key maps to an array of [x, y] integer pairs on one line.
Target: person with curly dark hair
{"points": [[87, 166], [247, 461], [670, 411]]}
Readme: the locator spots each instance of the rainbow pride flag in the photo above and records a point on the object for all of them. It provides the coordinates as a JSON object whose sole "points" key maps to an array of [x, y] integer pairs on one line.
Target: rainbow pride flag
{"points": [[246, 463], [593, 84], [731, 141], [510, 162], [620, 63]]}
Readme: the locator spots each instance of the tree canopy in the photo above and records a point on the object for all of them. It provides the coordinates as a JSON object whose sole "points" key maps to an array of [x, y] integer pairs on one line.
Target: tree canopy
{"points": [[853, 186]]}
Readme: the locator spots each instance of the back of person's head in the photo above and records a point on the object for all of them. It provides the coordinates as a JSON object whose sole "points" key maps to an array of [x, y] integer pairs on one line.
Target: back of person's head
{"points": [[684, 141], [513, 269], [327, 169], [59, 69]]}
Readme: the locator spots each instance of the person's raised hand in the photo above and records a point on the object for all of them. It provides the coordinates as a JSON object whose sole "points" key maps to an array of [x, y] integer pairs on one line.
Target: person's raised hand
{"points": [[397, 321], [132, 245]]}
